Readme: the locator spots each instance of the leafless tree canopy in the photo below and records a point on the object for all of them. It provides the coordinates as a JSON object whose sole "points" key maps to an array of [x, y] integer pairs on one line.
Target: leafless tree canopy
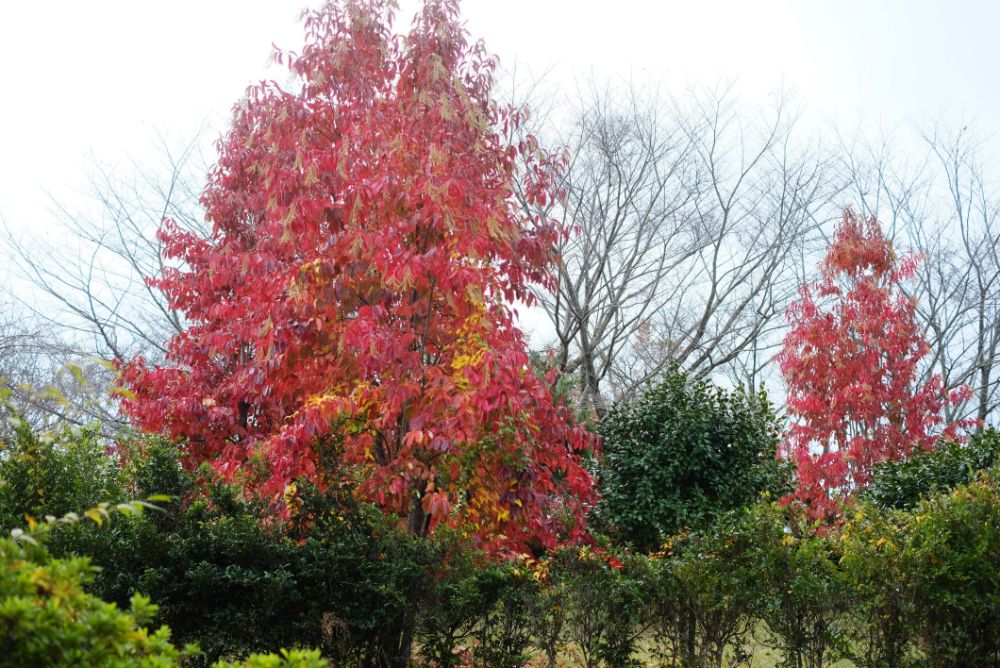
{"points": [[937, 199], [90, 305], [92, 285], [691, 223]]}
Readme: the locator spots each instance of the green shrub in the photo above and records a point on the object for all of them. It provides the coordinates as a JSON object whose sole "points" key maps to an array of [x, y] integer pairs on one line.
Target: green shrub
{"points": [[461, 592], [550, 620], [364, 580], [903, 483], [236, 586], [709, 593], [505, 634], [221, 577], [883, 601], [54, 473], [682, 456], [603, 598], [48, 619], [951, 555], [805, 598], [925, 580], [284, 659]]}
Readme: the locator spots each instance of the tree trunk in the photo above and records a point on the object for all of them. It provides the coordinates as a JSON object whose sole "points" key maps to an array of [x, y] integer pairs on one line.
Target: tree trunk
{"points": [[417, 524], [401, 654]]}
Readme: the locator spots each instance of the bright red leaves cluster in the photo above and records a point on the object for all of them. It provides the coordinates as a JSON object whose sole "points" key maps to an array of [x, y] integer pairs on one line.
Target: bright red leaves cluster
{"points": [[349, 316], [850, 363]]}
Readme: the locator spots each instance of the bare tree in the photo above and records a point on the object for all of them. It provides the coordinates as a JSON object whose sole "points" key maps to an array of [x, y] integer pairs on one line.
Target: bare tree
{"points": [[939, 202], [627, 187], [45, 382], [88, 303], [93, 286], [690, 224]]}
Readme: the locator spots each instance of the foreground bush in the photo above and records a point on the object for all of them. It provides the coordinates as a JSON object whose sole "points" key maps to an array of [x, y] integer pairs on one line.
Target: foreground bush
{"points": [[882, 598], [950, 552], [708, 593], [804, 598], [236, 585], [47, 618], [221, 577], [603, 599], [910, 588], [902, 484], [682, 456]]}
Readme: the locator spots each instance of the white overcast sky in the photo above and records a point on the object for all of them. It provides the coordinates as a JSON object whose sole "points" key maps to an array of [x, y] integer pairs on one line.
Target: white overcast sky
{"points": [[97, 79]]}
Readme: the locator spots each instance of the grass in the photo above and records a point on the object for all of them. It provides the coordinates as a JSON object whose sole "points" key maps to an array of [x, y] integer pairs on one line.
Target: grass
{"points": [[763, 657]]}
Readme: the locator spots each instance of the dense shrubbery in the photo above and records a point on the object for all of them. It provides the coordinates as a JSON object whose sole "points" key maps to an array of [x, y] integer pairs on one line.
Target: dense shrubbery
{"points": [[903, 483], [803, 598], [53, 474], [601, 599], [950, 553], [48, 619], [683, 455], [907, 586], [707, 593]]}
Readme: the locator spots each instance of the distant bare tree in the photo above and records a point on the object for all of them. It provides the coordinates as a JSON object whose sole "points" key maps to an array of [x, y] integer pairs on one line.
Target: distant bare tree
{"points": [[46, 382], [627, 187], [690, 224], [941, 204], [88, 304], [93, 285]]}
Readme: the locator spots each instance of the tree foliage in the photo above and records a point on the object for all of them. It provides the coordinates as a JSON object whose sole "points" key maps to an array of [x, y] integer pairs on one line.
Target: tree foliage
{"points": [[903, 483], [684, 454], [354, 296], [48, 619], [850, 363]]}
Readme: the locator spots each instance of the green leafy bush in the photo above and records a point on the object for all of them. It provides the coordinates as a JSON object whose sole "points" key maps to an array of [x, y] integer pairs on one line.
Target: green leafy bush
{"points": [[456, 601], [883, 600], [223, 578], [925, 580], [804, 597], [54, 473], [603, 597], [709, 593], [236, 586], [951, 555], [683, 455], [903, 483], [284, 659], [505, 635], [48, 619]]}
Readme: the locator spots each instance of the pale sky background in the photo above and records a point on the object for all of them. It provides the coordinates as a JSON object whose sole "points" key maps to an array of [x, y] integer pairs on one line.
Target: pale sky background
{"points": [[97, 79]]}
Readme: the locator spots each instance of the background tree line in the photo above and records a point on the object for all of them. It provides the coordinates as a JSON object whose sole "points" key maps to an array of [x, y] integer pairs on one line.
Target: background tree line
{"points": [[695, 217], [696, 565]]}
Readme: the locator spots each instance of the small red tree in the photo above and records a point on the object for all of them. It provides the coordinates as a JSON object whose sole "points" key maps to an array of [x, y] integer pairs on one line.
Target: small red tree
{"points": [[850, 364], [349, 316]]}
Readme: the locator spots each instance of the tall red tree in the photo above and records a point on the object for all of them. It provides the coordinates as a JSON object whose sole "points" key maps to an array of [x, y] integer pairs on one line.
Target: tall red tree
{"points": [[850, 364], [351, 310]]}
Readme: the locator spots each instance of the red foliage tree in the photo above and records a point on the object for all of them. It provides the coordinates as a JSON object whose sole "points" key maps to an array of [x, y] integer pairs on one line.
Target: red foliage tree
{"points": [[349, 316], [850, 364]]}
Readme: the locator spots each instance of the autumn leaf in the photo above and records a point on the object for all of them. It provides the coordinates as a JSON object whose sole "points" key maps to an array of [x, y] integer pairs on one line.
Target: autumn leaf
{"points": [[364, 250]]}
